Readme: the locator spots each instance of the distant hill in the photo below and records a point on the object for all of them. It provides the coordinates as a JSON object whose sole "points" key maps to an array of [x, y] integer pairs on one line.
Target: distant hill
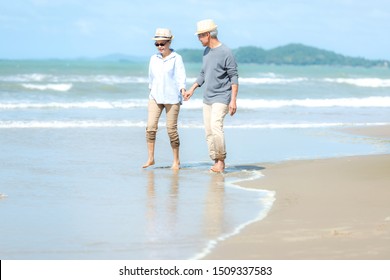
{"points": [[292, 54]]}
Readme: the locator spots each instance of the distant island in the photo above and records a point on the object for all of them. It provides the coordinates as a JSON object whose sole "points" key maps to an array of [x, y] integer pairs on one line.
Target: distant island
{"points": [[291, 54]]}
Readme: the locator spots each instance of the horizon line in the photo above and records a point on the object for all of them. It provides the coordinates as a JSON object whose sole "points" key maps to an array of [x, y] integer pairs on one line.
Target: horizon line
{"points": [[139, 58]]}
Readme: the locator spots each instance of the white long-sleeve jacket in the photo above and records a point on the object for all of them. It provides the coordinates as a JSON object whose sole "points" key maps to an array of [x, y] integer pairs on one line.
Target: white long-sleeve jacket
{"points": [[167, 76]]}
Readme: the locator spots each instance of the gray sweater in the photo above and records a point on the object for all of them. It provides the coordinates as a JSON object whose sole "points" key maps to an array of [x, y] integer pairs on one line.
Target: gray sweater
{"points": [[219, 72]]}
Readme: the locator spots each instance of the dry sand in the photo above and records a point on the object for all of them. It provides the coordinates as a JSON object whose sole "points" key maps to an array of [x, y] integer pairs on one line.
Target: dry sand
{"points": [[331, 209]]}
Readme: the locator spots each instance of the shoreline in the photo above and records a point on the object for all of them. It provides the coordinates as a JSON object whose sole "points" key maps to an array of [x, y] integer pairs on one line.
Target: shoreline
{"points": [[333, 208]]}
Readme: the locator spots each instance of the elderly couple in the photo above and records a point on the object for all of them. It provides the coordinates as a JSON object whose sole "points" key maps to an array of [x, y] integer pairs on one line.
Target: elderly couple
{"points": [[167, 85]]}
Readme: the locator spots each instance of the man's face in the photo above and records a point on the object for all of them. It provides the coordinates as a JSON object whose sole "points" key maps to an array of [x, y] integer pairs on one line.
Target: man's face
{"points": [[204, 38]]}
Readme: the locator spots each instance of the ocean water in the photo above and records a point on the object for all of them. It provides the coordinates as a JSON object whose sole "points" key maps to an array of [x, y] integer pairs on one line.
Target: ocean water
{"points": [[73, 142]]}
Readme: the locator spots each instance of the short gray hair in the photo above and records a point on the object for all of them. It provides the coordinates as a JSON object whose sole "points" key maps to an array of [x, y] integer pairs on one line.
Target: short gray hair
{"points": [[214, 33]]}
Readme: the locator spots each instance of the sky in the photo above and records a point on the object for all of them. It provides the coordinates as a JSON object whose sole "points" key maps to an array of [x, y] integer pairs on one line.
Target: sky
{"points": [[93, 28]]}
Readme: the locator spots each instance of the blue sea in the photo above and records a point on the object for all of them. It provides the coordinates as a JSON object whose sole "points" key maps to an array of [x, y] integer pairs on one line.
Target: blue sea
{"points": [[73, 142]]}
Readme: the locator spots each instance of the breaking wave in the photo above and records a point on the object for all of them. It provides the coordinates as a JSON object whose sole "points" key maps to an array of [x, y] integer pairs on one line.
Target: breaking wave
{"points": [[249, 104], [142, 124], [55, 87]]}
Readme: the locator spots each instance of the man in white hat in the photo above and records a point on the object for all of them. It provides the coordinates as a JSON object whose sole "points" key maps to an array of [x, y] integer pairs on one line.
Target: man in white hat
{"points": [[219, 78]]}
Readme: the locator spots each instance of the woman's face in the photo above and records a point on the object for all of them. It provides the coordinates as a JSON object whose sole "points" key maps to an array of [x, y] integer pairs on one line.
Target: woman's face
{"points": [[163, 47]]}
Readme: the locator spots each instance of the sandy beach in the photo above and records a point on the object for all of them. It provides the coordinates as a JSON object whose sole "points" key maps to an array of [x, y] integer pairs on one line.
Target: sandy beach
{"points": [[325, 209], [73, 142]]}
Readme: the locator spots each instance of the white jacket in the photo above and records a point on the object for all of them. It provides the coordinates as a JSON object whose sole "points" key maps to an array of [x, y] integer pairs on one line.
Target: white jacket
{"points": [[167, 77]]}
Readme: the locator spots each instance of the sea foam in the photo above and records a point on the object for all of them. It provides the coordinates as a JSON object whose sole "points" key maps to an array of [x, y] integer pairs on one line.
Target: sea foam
{"points": [[97, 104], [55, 87], [265, 79], [361, 82], [373, 101], [58, 124], [197, 104], [272, 80]]}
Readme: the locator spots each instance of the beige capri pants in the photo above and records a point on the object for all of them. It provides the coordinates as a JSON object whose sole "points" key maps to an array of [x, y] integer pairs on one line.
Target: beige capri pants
{"points": [[172, 114]]}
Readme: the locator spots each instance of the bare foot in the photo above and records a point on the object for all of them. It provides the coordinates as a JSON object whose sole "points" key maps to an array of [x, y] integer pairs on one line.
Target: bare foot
{"points": [[219, 166], [215, 170], [148, 163], [175, 166]]}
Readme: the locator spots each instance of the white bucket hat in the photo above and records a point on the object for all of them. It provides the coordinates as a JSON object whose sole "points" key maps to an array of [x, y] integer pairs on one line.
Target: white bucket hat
{"points": [[162, 34], [206, 25]]}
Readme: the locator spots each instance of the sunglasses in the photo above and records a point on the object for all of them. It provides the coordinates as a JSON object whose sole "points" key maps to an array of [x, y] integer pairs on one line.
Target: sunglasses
{"points": [[160, 44]]}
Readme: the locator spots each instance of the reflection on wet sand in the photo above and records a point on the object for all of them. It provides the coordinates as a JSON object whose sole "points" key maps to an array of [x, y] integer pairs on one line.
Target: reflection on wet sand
{"points": [[214, 210], [161, 212], [169, 215], [187, 212]]}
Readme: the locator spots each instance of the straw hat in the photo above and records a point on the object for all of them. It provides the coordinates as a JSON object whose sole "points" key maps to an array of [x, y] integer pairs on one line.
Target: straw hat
{"points": [[162, 34], [206, 25]]}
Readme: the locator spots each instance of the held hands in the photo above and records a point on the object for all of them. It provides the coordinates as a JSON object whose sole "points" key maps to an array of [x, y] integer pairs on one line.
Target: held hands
{"points": [[187, 94]]}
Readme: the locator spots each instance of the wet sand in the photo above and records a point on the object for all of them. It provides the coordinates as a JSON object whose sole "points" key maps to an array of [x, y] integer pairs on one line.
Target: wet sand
{"points": [[336, 209]]}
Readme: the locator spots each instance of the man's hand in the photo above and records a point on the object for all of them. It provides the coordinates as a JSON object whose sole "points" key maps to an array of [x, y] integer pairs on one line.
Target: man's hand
{"points": [[232, 107]]}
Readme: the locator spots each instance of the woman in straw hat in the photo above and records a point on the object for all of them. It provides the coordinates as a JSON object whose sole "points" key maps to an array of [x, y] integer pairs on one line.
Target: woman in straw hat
{"points": [[219, 78], [167, 82]]}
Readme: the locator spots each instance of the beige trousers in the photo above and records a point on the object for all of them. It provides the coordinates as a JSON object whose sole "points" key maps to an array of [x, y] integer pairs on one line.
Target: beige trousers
{"points": [[172, 114], [213, 117]]}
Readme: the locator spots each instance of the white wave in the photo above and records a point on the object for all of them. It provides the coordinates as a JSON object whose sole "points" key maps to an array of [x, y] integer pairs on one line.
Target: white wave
{"points": [[142, 124], [361, 82], [114, 79], [103, 79], [300, 125], [197, 104], [56, 87], [274, 79], [70, 124], [253, 104], [374, 101], [265, 78], [285, 125], [127, 104], [35, 77], [108, 79], [190, 80], [271, 80]]}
